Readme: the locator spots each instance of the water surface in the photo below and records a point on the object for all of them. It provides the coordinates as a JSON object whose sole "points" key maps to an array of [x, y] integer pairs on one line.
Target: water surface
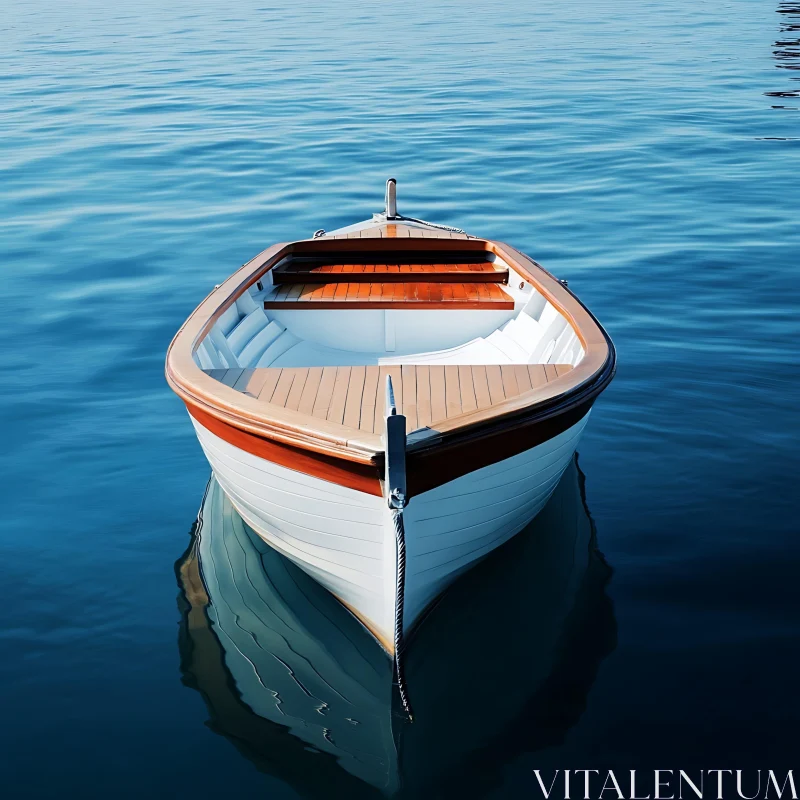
{"points": [[647, 152]]}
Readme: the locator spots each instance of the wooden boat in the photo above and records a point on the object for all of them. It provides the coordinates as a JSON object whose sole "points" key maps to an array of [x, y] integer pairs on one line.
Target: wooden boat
{"points": [[502, 665], [494, 366]]}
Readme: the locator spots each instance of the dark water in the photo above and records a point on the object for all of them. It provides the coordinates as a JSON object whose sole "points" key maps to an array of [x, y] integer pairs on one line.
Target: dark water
{"points": [[648, 152]]}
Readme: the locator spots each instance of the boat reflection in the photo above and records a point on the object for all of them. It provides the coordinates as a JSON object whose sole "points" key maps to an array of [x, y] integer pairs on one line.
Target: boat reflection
{"points": [[502, 665]]}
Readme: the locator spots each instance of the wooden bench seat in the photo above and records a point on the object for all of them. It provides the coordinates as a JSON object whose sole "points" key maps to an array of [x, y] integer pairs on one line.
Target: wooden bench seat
{"points": [[354, 396], [390, 295], [305, 271]]}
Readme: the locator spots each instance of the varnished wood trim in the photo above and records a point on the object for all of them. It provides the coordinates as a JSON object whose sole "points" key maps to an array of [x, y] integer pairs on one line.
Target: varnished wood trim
{"points": [[244, 411], [599, 356], [390, 277], [446, 460], [361, 477], [380, 294], [321, 436]]}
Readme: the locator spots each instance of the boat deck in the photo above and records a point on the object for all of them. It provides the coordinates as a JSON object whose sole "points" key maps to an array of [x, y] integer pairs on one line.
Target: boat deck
{"points": [[405, 294], [354, 396]]}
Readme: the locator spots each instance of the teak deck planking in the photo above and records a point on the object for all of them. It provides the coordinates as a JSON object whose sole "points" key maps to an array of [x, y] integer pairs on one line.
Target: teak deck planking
{"points": [[296, 296], [354, 396]]}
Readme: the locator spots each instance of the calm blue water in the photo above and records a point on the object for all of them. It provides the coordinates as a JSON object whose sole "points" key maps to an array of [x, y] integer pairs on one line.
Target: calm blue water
{"points": [[648, 152]]}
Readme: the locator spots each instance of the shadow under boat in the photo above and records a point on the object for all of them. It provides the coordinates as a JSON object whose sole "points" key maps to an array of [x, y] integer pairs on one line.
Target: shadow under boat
{"points": [[500, 666]]}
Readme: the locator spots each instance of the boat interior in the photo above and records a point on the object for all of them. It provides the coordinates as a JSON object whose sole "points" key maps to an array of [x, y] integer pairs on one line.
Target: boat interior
{"points": [[371, 314], [460, 318]]}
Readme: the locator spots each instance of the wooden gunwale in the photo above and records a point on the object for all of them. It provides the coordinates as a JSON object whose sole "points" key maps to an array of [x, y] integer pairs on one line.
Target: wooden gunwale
{"points": [[200, 391], [577, 388]]}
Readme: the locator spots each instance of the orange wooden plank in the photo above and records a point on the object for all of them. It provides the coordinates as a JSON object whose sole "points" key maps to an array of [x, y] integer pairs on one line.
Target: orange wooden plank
{"points": [[495, 380], [339, 397], [452, 390], [538, 376], [550, 372], [366, 413], [307, 291], [438, 393], [399, 294], [299, 382], [410, 396], [523, 378], [252, 381], [355, 390], [294, 291], [563, 369], [481, 385], [422, 375], [508, 374], [216, 374], [369, 399], [323, 398], [310, 390], [270, 382], [243, 379], [468, 401], [281, 393]]}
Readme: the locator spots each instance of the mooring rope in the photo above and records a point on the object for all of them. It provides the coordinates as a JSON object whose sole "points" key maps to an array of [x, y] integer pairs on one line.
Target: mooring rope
{"points": [[429, 224], [399, 602]]}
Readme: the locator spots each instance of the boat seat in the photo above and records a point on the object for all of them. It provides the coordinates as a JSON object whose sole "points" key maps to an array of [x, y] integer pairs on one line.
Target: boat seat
{"points": [[306, 270], [354, 295]]}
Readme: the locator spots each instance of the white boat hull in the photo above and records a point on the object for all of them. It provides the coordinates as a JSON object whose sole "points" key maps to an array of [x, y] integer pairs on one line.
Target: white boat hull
{"points": [[345, 539]]}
